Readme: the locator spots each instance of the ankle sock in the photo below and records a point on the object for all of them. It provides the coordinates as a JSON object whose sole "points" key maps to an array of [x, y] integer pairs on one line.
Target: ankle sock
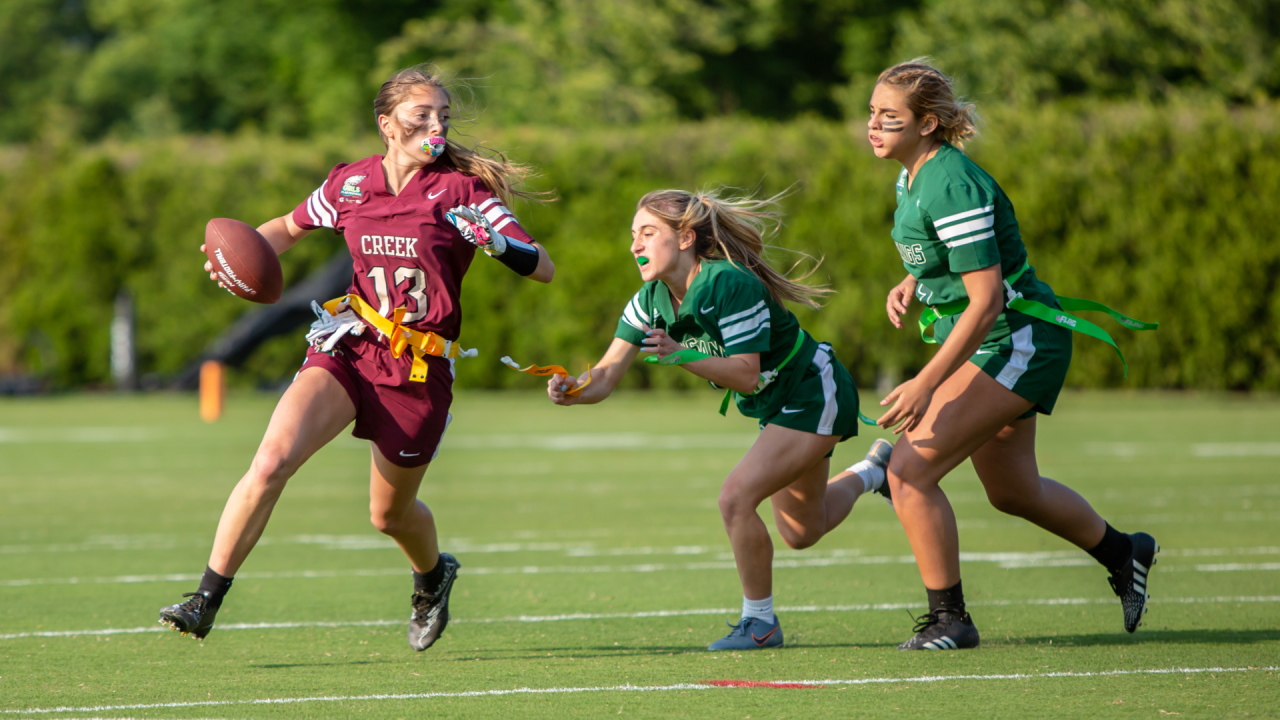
{"points": [[950, 599], [214, 585], [872, 475], [759, 609], [429, 580], [1114, 550]]}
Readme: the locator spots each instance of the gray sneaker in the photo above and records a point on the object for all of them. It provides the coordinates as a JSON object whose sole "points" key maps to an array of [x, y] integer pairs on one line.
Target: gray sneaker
{"points": [[750, 634], [878, 455], [431, 609]]}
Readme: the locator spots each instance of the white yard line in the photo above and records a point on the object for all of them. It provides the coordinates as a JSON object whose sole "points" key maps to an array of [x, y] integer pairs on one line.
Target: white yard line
{"points": [[636, 615], [644, 688], [721, 561]]}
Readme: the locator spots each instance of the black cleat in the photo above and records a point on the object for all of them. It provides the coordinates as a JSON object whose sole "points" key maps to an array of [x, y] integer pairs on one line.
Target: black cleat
{"points": [[194, 617], [1130, 583], [431, 609], [942, 630]]}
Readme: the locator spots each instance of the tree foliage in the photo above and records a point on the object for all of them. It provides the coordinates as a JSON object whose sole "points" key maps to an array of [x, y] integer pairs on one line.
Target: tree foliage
{"points": [[1028, 51]]}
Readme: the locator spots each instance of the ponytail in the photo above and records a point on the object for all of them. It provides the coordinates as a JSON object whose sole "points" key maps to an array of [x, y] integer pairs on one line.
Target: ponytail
{"points": [[733, 229]]}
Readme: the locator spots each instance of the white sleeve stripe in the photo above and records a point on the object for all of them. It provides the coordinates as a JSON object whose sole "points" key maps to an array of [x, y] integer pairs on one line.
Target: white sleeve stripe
{"points": [[326, 218], [317, 212], [971, 239], [629, 317], [745, 326], [493, 214], [965, 228], [635, 305], [312, 213], [738, 316], [324, 202], [963, 215], [504, 222], [739, 341], [486, 204]]}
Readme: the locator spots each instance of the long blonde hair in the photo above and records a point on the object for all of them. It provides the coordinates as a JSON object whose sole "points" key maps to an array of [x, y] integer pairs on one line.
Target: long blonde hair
{"points": [[733, 228], [929, 92], [501, 175]]}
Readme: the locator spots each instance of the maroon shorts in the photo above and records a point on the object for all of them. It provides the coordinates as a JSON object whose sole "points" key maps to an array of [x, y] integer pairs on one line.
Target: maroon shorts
{"points": [[404, 419]]}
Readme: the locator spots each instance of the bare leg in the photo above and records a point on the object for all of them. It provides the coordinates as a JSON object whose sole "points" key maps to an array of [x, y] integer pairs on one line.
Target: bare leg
{"points": [[778, 458], [968, 409], [312, 412], [396, 511], [843, 491], [1006, 464]]}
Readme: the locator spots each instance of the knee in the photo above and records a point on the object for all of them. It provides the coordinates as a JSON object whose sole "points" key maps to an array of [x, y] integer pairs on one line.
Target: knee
{"points": [[799, 539], [1008, 502], [733, 504], [270, 470], [392, 521], [385, 522]]}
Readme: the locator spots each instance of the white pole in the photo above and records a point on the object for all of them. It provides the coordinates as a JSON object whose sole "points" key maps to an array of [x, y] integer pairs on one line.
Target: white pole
{"points": [[123, 356]]}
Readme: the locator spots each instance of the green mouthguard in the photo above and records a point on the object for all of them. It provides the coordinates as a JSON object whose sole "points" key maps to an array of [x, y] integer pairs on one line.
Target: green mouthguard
{"points": [[642, 260]]}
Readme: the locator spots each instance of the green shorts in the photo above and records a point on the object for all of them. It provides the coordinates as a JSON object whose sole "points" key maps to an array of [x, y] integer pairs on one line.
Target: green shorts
{"points": [[1032, 361], [824, 403]]}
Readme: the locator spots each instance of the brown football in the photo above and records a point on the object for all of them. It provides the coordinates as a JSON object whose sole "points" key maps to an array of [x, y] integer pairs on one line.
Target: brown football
{"points": [[243, 260]]}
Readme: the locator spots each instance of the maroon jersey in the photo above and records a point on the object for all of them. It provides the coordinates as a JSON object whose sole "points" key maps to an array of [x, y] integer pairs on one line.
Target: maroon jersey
{"points": [[404, 251]]}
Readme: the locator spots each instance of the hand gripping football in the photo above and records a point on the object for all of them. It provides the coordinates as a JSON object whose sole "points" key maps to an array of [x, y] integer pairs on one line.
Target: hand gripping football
{"points": [[243, 260]]}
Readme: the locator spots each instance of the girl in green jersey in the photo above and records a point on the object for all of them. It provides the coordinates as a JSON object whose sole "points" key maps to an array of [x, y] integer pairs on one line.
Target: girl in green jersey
{"points": [[713, 305], [996, 368]]}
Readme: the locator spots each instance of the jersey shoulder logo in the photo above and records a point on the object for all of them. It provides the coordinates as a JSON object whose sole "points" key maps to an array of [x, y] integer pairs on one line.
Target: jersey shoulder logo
{"points": [[434, 195], [351, 186], [706, 310]]}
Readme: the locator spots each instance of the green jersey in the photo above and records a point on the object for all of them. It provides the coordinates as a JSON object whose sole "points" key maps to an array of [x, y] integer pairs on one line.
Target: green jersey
{"points": [[727, 311], [954, 219]]}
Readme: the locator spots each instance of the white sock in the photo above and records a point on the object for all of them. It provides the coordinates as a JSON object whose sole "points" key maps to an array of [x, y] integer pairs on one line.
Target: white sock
{"points": [[759, 609], [872, 475]]}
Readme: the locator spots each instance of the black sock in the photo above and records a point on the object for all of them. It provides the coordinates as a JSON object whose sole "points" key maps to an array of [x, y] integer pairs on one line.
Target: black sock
{"points": [[430, 580], [951, 599], [214, 585], [1114, 551]]}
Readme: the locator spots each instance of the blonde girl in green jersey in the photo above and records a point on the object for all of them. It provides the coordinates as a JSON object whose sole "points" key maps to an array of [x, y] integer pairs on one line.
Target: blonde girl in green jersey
{"points": [[711, 304], [996, 367]]}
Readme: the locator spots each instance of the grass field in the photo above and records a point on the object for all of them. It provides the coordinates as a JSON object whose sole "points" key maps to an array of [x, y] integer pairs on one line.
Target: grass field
{"points": [[595, 571]]}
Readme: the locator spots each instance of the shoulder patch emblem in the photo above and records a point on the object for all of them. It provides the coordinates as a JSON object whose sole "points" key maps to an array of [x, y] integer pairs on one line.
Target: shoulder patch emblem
{"points": [[351, 186]]}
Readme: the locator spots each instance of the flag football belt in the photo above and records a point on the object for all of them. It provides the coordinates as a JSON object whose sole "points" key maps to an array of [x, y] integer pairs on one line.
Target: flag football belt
{"points": [[400, 337], [1040, 311], [686, 355]]}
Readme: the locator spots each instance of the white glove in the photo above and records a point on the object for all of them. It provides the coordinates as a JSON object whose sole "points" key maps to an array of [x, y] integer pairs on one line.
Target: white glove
{"points": [[330, 328], [475, 229]]}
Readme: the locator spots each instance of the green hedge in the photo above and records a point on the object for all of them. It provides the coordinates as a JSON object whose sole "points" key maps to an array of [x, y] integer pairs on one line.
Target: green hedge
{"points": [[1164, 213]]}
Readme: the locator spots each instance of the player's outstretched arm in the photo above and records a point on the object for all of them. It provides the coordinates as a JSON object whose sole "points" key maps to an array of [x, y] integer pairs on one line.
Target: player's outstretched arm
{"points": [[546, 269], [736, 372], [605, 377], [282, 232]]}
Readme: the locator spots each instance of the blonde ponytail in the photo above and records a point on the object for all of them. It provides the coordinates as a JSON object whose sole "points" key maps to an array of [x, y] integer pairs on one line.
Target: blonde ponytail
{"points": [[733, 229]]}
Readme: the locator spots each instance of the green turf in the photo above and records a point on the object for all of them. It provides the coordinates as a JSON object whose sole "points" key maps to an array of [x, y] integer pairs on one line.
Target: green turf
{"points": [[611, 510]]}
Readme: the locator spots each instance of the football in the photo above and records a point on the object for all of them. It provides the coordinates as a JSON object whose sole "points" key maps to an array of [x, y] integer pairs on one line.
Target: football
{"points": [[243, 260]]}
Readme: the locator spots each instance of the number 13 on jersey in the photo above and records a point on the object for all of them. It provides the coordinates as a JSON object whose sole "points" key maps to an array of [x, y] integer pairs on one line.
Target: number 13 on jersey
{"points": [[418, 283]]}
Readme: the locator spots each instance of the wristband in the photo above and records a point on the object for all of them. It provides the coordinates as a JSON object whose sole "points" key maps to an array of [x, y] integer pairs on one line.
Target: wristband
{"points": [[521, 257]]}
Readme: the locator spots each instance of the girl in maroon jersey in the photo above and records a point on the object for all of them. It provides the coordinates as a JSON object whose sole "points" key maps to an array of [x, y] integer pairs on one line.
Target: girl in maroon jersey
{"points": [[412, 219]]}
